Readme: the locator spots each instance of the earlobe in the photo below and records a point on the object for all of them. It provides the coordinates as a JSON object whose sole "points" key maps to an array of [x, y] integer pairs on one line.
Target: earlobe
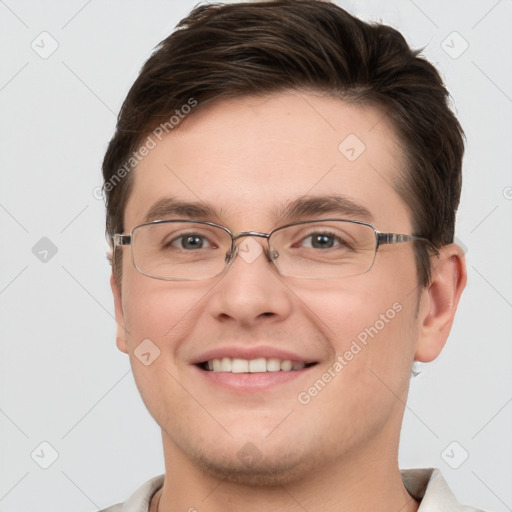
{"points": [[441, 299], [119, 315]]}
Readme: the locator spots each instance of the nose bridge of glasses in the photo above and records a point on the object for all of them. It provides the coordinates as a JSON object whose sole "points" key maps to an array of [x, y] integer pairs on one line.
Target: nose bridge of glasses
{"points": [[244, 234], [250, 233]]}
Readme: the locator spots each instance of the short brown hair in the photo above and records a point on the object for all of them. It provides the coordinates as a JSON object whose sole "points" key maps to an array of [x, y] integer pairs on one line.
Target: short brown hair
{"points": [[224, 51]]}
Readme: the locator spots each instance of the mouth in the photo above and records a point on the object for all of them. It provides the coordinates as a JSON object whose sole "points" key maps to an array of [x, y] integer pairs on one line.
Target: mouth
{"points": [[258, 365], [243, 370]]}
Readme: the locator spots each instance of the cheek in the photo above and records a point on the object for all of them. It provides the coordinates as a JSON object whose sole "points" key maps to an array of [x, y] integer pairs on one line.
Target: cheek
{"points": [[357, 307], [372, 337], [158, 315], [158, 309], [370, 322]]}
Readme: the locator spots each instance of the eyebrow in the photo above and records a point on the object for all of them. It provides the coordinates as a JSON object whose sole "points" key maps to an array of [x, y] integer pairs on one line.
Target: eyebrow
{"points": [[302, 207], [325, 205], [169, 206]]}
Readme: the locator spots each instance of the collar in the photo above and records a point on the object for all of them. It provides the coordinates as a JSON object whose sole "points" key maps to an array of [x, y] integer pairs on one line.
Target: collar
{"points": [[425, 485]]}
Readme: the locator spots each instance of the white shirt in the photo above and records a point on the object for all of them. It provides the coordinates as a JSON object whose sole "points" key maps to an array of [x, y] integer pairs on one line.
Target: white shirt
{"points": [[425, 485]]}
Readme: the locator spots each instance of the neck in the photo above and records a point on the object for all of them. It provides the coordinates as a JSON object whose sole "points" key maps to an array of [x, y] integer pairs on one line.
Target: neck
{"points": [[361, 482]]}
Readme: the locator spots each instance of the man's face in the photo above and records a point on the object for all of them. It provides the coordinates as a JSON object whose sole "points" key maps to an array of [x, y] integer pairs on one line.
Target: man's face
{"points": [[247, 160]]}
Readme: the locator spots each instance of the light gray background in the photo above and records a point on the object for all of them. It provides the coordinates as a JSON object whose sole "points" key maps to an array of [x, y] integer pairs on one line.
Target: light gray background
{"points": [[61, 378]]}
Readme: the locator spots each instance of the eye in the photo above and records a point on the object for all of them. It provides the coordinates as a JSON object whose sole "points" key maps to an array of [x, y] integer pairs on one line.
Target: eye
{"points": [[321, 241], [190, 242]]}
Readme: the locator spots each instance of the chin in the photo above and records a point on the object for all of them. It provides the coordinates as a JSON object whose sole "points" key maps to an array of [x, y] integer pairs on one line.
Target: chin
{"points": [[255, 469]]}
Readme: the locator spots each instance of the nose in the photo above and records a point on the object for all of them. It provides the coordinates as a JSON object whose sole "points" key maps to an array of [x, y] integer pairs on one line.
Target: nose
{"points": [[251, 291]]}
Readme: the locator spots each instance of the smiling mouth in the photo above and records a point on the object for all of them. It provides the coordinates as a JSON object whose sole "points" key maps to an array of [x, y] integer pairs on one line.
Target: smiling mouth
{"points": [[259, 365]]}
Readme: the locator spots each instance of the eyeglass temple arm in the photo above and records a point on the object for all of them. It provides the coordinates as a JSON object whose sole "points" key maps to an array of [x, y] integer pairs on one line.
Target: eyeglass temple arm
{"points": [[121, 239], [395, 238]]}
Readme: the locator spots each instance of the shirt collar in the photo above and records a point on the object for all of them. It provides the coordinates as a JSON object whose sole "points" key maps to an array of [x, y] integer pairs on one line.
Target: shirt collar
{"points": [[429, 488], [425, 485]]}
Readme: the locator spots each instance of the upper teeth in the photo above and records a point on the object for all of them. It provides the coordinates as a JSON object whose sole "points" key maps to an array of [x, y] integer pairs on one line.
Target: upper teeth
{"points": [[260, 365]]}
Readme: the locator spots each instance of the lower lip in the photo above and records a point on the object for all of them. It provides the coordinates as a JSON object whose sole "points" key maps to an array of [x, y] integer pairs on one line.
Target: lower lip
{"points": [[251, 382]]}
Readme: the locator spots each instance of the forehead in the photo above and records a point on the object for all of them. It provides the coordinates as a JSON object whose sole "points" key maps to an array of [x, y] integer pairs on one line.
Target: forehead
{"points": [[249, 158]]}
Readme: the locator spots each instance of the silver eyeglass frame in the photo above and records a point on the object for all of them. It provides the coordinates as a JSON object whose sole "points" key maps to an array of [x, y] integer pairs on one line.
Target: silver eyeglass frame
{"points": [[380, 239]]}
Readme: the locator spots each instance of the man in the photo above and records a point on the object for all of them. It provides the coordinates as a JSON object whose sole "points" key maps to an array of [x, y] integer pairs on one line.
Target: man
{"points": [[281, 195]]}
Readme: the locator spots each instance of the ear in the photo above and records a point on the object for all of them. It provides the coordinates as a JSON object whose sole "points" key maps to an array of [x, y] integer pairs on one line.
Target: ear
{"points": [[439, 302], [119, 315]]}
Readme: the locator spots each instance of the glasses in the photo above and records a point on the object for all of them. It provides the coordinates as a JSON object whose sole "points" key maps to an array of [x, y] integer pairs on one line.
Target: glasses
{"points": [[189, 250]]}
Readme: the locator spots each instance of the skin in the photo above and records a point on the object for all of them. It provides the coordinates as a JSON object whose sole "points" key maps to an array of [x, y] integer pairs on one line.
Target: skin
{"points": [[247, 158]]}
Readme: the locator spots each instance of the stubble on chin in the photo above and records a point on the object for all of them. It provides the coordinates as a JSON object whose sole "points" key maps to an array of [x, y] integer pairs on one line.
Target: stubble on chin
{"points": [[273, 470]]}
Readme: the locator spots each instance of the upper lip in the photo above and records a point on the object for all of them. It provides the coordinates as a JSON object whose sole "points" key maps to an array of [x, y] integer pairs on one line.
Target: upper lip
{"points": [[250, 353]]}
